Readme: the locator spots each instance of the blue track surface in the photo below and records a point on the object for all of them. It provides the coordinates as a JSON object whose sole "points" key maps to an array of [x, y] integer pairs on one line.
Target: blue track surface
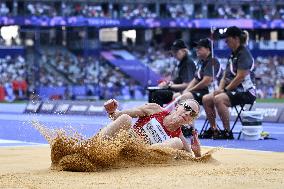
{"points": [[16, 130]]}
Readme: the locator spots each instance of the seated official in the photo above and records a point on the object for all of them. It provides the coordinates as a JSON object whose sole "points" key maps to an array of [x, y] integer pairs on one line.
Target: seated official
{"points": [[203, 78], [185, 73], [237, 85]]}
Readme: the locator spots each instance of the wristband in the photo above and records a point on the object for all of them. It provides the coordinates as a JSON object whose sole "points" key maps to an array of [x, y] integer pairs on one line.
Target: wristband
{"points": [[110, 115]]}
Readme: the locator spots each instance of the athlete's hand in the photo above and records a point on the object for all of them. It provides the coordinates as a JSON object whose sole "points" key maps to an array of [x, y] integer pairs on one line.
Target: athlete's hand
{"points": [[111, 105], [163, 84], [218, 91], [195, 144]]}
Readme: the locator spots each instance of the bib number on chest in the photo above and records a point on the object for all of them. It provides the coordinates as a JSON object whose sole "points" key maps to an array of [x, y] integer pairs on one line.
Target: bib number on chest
{"points": [[154, 132]]}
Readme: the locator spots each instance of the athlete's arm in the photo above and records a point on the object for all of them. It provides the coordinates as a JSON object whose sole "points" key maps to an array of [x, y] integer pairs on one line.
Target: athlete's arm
{"points": [[205, 82], [140, 111], [186, 146], [241, 74]]}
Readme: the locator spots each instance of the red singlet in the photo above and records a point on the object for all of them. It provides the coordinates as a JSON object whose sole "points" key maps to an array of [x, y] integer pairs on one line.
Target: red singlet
{"points": [[160, 118]]}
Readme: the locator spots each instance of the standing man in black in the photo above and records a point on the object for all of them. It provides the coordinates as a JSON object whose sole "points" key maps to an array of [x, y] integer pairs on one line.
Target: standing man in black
{"points": [[185, 73]]}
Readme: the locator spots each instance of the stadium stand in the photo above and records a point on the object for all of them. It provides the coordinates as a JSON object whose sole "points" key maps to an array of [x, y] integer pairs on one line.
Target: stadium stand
{"points": [[59, 44]]}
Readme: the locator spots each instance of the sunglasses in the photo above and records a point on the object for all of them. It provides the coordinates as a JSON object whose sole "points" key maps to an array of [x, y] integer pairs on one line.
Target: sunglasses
{"points": [[189, 109]]}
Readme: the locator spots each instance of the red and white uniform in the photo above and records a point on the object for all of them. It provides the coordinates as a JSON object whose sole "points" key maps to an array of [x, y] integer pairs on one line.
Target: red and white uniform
{"points": [[151, 128]]}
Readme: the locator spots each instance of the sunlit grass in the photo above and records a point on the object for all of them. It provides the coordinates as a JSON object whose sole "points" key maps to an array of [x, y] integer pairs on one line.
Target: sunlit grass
{"points": [[271, 100]]}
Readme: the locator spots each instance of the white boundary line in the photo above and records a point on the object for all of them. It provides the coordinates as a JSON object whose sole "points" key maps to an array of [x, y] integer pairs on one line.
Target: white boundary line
{"points": [[18, 143], [240, 149], [43, 144]]}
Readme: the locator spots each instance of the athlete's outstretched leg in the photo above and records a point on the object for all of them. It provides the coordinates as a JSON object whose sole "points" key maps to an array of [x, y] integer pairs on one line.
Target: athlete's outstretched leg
{"points": [[123, 122]]}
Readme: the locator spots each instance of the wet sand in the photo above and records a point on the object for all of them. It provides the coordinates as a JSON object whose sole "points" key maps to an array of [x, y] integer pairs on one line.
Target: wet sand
{"points": [[29, 167]]}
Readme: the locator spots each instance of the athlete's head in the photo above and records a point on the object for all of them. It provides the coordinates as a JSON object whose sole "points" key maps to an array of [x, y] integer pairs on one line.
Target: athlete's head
{"points": [[187, 110]]}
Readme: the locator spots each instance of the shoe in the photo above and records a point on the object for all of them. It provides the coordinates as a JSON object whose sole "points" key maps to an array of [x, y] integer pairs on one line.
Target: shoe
{"points": [[224, 135], [207, 134], [210, 133]]}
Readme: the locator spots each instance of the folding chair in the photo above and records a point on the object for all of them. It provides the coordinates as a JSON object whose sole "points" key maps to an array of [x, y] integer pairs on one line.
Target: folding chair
{"points": [[239, 111], [204, 127], [242, 106]]}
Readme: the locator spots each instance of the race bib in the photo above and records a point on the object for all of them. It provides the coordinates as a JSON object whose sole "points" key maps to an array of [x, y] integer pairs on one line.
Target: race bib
{"points": [[153, 132]]}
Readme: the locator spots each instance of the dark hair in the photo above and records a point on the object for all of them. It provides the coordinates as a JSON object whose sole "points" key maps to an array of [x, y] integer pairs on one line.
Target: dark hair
{"points": [[244, 37], [203, 43], [234, 31], [178, 44]]}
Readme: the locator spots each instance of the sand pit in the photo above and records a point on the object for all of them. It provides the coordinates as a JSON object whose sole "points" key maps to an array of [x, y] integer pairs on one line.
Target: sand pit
{"points": [[127, 162], [29, 167]]}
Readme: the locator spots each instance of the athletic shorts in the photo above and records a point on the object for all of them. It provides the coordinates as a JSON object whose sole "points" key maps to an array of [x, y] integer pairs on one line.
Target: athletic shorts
{"points": [[198, 95], [237, 98]]}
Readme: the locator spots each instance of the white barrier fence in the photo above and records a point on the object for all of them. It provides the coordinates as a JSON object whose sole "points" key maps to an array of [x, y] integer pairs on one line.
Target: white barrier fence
{"points": [[272, 112]]}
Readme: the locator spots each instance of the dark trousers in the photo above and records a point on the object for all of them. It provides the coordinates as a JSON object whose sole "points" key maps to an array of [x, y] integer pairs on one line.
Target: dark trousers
{"points": [[160, 96]]}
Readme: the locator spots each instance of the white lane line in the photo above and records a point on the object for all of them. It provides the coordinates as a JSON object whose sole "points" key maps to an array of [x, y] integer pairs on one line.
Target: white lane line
{"points": [[240, 149], [2, 141]]}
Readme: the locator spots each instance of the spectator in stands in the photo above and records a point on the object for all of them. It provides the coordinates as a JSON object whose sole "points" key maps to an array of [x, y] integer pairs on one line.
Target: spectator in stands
{"points": [[185, 73], [130, 11], [16, 88], [237, 85], [23, 87], [164, 123], [230, 11], [222, 9], [4, 10], [2, 92], [184, 10], [12, 71], [269, 71], [10, 97]]}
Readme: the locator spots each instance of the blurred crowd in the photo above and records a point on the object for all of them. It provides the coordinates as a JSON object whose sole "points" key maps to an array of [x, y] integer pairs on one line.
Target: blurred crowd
{"points": [[181, 11], [270, 76], [13, 74], [62, 68], [136, 10], [4, 10], [159, 61], [262, 12]]}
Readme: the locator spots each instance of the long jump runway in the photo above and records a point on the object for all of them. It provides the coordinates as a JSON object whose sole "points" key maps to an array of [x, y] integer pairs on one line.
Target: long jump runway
{"points": [[17, 130]]}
